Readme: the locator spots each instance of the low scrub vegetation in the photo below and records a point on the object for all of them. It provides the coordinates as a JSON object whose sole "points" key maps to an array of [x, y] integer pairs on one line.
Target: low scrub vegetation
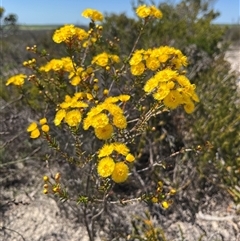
{"points": [[132, 110]]}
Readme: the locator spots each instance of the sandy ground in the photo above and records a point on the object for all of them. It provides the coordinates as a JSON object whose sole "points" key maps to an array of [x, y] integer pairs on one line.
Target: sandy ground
{"points": [[233, 57]]}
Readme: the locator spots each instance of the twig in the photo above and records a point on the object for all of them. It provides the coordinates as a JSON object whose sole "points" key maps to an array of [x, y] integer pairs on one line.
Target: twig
{"points": [[21, 160], [207, 217], [4, 228], [11, 102], [12, 139]]}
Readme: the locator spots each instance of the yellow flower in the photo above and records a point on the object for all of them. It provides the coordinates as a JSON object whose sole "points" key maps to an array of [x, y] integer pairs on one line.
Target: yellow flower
{"points": [[76, 76], [75, 80], [67, 102], [183, 80], [120, 172], [68, 64], [189, 91], [101, 59], [151, 84], [180, 59], [35, 133], [104, 133], [93, 14], [113, 108], [45, 128], [173, 99], [81, 34], [73, 102], [58, 36], [59, 117], [136, 58], [152, 63], [124, 98], [130, 157], [87, 122], [110, 99], [69, 32], [54, 64], [115, 58], [73, 117], [166, 75], [16, 79], [161, 92], [138, 69], [106, 150], [165, 204], [100, 120], [32, 127], [43, 121], [120, 121], [78, 104], [156, 12], [105, 167], [143, 11], [121, 148], [189, 106]]}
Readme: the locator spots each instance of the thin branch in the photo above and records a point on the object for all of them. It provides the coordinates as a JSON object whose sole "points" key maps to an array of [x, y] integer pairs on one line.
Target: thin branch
{"points": [[207, 217], [23, 159], [4, 228], [12, 139], [11, 102]]}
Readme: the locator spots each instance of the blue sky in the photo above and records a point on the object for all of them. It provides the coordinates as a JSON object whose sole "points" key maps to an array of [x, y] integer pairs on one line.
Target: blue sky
{"points": [[69, 11]]}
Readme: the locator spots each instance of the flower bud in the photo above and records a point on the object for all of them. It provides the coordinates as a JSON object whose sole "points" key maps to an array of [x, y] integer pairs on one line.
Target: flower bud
{"points": [[57, 176], [45, 178]]}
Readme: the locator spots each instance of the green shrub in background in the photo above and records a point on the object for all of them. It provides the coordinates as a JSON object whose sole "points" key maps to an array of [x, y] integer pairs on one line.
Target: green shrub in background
{"points": [[216, 121], [8, 23]]}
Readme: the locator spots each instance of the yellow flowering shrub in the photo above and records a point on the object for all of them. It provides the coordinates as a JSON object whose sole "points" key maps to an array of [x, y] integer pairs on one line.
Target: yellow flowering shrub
{"points": [[104, 102]]}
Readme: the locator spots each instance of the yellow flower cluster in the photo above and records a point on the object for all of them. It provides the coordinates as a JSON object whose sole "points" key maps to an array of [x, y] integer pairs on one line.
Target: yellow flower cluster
{"points": [[75, 74], [71, 109], [33, 128], [144, 11], [69, 34], [78, 74], [102, 123], [16, 79], [104, 59], [166, 84], [63, 64], [93, 14], [173, 89], [108, 167], [154, 59]]}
